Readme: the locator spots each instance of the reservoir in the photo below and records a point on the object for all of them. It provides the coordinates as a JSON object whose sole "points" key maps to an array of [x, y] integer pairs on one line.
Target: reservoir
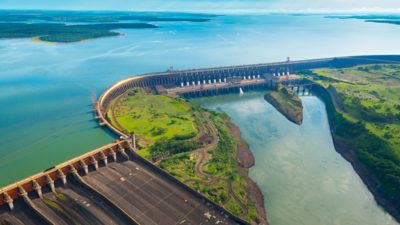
{"points": [[46, 90], [303, 179]]}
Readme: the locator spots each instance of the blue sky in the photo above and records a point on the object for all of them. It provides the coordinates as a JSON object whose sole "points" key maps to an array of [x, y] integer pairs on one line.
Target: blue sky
{"points": [[210, 5]]}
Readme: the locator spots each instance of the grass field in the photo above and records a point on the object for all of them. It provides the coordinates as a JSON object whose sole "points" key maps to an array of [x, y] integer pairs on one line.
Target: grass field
{"points": [[370, 94], [152, 117]]}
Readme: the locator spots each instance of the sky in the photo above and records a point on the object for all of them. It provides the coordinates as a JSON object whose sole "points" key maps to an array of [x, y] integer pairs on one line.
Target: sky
{"points": [[300, 6]]}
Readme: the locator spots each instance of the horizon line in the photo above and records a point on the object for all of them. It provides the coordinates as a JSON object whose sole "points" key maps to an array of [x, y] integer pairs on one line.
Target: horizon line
{"points": [[230, 11]]}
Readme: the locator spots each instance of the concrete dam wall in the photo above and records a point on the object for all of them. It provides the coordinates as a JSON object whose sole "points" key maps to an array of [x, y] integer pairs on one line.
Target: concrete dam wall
{"points": [[178, 78]]}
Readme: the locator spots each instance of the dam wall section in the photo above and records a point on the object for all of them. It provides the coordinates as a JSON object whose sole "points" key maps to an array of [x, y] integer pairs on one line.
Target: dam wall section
{"points": [[47, 178], [178, 78]]}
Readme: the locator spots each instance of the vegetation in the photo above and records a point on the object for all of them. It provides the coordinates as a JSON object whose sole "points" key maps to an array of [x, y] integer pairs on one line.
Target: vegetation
{"points": [[192, 144], [287, 103], [55, 32], [152, 117], [98, 17], [364, 113], [395, 22], [390, 19], [219, 178], [50, 26]]}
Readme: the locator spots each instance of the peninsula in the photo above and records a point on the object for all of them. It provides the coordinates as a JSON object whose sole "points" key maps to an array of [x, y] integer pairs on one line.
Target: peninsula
{"points": [[286, 102], [201, 148]]}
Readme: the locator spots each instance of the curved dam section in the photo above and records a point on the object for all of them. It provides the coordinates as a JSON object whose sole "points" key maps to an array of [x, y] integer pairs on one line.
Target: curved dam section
{"points": [[195, 77], [201, 80]]}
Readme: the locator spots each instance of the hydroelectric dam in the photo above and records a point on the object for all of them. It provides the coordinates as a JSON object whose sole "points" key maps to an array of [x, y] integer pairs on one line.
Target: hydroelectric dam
{"points": [[114, 185]]}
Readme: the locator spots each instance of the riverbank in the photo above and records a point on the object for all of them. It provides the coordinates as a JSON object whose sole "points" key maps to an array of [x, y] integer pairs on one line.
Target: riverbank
{"points": [[245, 160], [199, 147], [287, 103], [348, 150]]}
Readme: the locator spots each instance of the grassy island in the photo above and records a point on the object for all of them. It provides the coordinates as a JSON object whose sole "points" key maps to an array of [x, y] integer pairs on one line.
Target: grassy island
{"points": [[287, 103], [199, 147], [68, 27], [363, 105], [61, 33]]}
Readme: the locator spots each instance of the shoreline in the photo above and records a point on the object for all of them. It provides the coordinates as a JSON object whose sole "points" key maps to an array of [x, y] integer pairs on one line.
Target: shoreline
{"points": [[368, 180], [245, 160], [291, 108], [37, 40], [348, 154]]}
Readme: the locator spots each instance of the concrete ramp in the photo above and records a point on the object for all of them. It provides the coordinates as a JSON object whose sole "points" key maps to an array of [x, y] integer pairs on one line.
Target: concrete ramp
{"points": [[124, 191], [152, 198]]}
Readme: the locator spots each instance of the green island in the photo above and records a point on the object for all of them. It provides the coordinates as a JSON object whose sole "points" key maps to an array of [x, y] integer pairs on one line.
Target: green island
{"points": [[99, 16], [286, 102], [62, 33], [201, 148], [389, 19], [68, 27], [363, 105]]}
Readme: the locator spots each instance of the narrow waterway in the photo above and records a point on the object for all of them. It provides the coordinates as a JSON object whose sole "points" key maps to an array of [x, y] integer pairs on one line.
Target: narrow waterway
{"points": [[303, 179]]}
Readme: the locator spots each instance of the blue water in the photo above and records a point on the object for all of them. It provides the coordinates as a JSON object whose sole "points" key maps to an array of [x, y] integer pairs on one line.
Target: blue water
{"points": [[45, 89], [303, 179]]}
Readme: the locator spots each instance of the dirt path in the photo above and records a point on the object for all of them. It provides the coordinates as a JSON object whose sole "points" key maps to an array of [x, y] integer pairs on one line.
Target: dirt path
{"points": [[202, 158]]}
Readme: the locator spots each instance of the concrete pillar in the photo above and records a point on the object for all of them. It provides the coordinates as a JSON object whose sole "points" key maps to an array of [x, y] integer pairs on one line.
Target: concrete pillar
{"points": [[258, 76], [181, 84], [133, 140], [193, 83], [94, 162], [84, 167], [254, 77], [215, 81], [104, 158], [249, 77], [8, 200], [225, 80], [123, 153], [187, 83], [288, 73], [37, 188], [73, 169], [50, 182], [22, 191], [209, 81], [113, 154], [198, 82], [204, 81], [62, 176], [219, 80]]}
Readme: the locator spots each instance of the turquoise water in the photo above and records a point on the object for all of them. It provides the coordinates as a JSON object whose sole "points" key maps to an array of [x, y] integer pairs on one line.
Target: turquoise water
{"points": [[45, 92], [303, 179]]}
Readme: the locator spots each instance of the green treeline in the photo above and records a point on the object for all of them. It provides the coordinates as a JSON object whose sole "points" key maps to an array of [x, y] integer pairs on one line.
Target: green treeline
{"points": [[178, 144], [55, 32], [99, 17]]}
